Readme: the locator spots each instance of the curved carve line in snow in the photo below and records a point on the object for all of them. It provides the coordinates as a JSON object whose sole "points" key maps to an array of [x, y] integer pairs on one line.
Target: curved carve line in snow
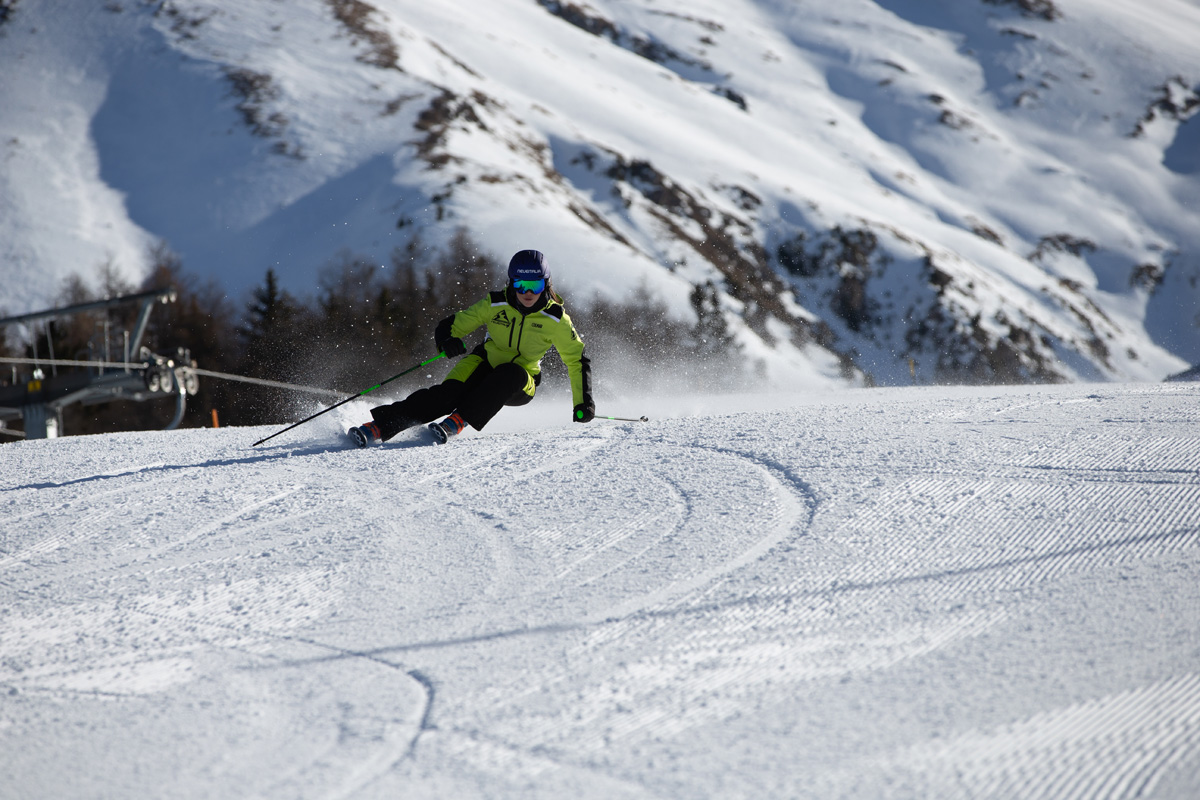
{"points": [[793, 504]]}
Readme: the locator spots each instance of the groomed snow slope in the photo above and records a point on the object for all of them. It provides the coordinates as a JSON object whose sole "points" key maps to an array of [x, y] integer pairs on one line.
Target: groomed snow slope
{"points": [[886, 593]]}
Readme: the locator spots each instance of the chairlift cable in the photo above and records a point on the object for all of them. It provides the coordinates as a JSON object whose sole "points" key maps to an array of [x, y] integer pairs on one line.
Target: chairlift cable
{"points": [[63, 362], [202, 372]]}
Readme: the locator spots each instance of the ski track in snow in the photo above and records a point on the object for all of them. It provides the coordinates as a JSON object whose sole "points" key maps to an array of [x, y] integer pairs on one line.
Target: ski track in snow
{"points": [[953, 593]]}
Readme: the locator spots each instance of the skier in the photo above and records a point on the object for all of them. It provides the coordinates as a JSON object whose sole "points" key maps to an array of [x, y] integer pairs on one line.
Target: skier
{"points": [[523, 321]]}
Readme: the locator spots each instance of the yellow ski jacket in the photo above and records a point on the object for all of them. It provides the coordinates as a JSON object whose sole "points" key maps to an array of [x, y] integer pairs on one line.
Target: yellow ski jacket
{"points": [[521, 336]]}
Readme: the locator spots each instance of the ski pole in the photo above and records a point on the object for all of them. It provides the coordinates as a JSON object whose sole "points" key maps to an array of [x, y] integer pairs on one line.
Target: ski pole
{"points": [[352, 397], [625, 419]]}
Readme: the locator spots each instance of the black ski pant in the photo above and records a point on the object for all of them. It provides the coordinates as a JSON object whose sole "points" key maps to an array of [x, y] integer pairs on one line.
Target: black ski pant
{"points": [[477, 399]]}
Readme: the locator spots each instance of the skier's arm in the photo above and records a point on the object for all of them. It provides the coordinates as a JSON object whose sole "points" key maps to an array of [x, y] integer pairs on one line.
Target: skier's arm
{"points": [[451, 345], [579, 367], [449, 332]]}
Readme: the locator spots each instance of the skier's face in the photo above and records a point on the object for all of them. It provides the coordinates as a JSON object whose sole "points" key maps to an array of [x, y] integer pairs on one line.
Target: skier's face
{"points": [[528, 299], [528, 292]]}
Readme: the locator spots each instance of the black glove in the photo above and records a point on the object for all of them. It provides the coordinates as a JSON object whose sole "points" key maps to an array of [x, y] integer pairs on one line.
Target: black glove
{"points": [[585, 411], [453, 348]]}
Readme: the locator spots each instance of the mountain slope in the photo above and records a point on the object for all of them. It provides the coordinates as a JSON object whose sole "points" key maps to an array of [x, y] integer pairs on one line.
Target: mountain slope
{"points": [[978, 191]]}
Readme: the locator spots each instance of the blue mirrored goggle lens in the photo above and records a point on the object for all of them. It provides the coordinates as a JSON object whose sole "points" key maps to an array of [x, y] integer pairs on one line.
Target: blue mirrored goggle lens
{"points": [[529, 287]]}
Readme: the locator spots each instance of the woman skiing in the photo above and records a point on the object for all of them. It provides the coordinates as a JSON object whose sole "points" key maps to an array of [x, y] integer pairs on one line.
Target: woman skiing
{"points": [[523, 321]]}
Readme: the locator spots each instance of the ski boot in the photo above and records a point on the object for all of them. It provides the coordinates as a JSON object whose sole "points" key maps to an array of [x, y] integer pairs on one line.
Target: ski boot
{"points": [[450, 426], [366, 434]]}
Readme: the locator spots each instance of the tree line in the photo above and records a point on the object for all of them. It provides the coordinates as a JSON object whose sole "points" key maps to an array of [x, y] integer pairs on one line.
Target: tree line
{"points": [[361, 325]]}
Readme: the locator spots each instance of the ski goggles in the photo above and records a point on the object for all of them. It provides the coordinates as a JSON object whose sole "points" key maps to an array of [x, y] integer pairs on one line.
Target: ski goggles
{"points": [[529, 287]]}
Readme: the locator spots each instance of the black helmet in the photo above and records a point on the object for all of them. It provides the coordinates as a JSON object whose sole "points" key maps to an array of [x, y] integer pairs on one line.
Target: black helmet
{"points": [[528, 265]]}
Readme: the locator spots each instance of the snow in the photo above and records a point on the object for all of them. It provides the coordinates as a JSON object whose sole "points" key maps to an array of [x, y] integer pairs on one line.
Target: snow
{"points": [[922, 592]]}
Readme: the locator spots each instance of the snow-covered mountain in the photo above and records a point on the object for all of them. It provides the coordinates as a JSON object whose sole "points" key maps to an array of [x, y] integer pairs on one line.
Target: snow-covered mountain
{"points": [[924, 592], [900, 189]]}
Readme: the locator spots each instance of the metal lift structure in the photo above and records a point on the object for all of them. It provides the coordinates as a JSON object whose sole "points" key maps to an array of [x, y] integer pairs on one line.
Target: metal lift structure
{"points": [[39, 399]]}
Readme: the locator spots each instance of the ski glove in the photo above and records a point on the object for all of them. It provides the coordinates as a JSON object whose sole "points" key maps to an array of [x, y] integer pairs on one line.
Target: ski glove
{"points": [[585, 411], [453, 348]]}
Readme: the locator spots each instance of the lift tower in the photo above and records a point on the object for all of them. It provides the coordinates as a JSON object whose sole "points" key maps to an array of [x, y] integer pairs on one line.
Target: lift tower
{"points": [[39, 400]]}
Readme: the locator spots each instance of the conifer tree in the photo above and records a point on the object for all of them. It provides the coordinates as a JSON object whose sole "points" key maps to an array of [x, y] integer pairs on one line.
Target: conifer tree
{"points": [[714, 351], [269, 321], [271, 337]]}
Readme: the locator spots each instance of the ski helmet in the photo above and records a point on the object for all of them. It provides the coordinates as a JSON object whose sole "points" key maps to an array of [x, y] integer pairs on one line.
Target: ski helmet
{"points": [[528, 265]]}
